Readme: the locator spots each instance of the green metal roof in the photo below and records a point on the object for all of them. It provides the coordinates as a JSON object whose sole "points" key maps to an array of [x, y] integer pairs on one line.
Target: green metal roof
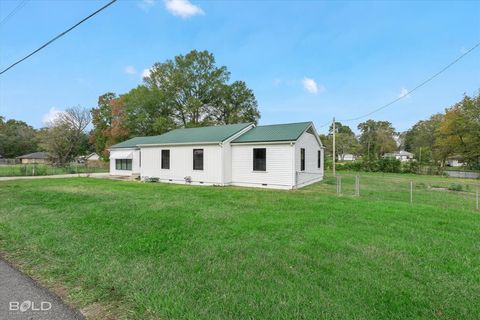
{"points": [[187, 135], [275, 132]]}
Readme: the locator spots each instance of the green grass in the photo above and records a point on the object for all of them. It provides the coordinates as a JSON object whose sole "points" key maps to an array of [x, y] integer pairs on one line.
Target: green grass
{"points": [[160, 251], [44, 170]]}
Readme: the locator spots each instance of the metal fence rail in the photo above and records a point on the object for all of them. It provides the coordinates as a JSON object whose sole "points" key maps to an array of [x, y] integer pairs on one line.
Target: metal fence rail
{"points": [[413, 189]]}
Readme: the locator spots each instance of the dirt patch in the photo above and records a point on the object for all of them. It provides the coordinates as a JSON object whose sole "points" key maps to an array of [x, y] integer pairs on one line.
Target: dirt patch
{"points": [[97, 311]]}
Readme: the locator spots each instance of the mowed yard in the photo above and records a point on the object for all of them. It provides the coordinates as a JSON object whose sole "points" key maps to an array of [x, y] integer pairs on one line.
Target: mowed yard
{"points": [[158, 251]]}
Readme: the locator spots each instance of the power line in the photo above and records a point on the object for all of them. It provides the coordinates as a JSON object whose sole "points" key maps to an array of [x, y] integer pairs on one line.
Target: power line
{"points": [[409, 92], [415, 88], [19, 6], [58, 36]]}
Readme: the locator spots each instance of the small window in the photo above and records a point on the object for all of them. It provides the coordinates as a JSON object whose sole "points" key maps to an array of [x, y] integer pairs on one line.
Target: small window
{"points": [[259, 159], [197, 159], [123, 164], [165, 159], [302, 159], [319, 160], [140, 159]]}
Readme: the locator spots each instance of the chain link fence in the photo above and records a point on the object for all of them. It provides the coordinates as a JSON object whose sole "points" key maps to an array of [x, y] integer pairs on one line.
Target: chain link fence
{"points": [[12, 170], [414, 189]]}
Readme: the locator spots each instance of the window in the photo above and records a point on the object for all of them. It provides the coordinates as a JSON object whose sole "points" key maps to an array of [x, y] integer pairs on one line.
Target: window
{"points": [[259, 159], [165, 159], [123, 164], [140, 159], [302, 159], [319, 160], [197, 159]]}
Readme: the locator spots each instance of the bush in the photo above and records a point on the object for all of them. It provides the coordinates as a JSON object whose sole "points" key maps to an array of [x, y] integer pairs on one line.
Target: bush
{"points": [[410, 167], [380, 165], [455, 187]]}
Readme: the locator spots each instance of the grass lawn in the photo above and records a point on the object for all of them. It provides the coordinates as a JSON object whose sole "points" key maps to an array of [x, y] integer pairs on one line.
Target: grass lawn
{"points": [[160, 251]]}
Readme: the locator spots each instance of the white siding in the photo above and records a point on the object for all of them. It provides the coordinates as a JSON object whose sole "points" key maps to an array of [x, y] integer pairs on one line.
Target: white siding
{"points": [[312, 173], [181, 164], [227, 156], [116, 154], [279, 166]]}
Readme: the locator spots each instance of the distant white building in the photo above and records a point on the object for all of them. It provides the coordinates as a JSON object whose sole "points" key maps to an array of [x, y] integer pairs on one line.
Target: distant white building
{"points": [[284, 156], [347, 157], [455, 161], [400, 155]]}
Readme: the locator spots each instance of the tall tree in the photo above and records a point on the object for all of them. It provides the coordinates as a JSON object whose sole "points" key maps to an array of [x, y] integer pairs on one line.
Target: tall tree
{"points": [[345, 140], [377, 138], [198, 93], [64, 136], [109, 123], [459, 131], [16, 138], [421, 138]]}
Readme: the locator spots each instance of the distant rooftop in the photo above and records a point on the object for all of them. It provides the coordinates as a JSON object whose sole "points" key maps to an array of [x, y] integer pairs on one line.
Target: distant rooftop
{"points": [[35, 155]]}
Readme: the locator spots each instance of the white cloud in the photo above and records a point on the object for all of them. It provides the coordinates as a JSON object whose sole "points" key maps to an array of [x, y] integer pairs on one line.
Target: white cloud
{"points": [[146, 4], [183, 8], [403, 93], [51, 115], [130, 70], [146, 73], [277, 81], [311, 86]]}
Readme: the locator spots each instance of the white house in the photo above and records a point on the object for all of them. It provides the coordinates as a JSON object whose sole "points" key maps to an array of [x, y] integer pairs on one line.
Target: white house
{"points": [[455, 161], [284, 156], [346, 157], [402, 155]]}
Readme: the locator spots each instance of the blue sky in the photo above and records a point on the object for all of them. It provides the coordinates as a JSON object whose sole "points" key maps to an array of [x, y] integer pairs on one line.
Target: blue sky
{"points": [[305, 60]]}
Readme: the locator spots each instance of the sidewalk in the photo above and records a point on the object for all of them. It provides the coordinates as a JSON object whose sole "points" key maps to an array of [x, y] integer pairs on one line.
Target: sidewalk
{"points": [[21, 298], [74, 175]]}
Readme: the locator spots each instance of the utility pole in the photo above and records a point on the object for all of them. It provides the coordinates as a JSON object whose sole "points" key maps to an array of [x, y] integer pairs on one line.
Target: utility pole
{"points": [[333, 166]]}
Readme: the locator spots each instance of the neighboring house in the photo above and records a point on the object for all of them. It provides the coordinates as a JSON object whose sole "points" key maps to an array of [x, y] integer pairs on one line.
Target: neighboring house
{"points": [[91, 159], [400, 155], [347, 157], [455, 161], [284, 156], [36, 157]]}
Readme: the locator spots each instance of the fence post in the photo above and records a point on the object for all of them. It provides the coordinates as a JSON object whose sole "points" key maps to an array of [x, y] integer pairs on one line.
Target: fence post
{"points": [[411, 192], [357, 186], [339, 185], [477, 200]]}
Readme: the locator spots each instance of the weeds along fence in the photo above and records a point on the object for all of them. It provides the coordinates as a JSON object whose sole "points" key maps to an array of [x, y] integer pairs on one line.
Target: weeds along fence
{"points": [[413, 189], [13, 170]]}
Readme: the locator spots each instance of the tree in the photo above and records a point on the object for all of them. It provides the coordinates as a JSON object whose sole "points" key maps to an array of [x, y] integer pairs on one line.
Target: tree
{"points": [[109, 122], [147, 112], [16, 138], [459, 131], [377, 138], [197, 91], [421, 138], [64, 135], [345, 140]]}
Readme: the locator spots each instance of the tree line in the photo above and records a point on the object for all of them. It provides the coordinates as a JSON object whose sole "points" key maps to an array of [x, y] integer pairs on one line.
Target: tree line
{"points": [[187, 91], [453, 133], [191, 91]]}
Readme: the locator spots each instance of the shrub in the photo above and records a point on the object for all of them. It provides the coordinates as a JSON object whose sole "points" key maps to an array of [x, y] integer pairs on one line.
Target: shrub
{"points": [[455, 187]]}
